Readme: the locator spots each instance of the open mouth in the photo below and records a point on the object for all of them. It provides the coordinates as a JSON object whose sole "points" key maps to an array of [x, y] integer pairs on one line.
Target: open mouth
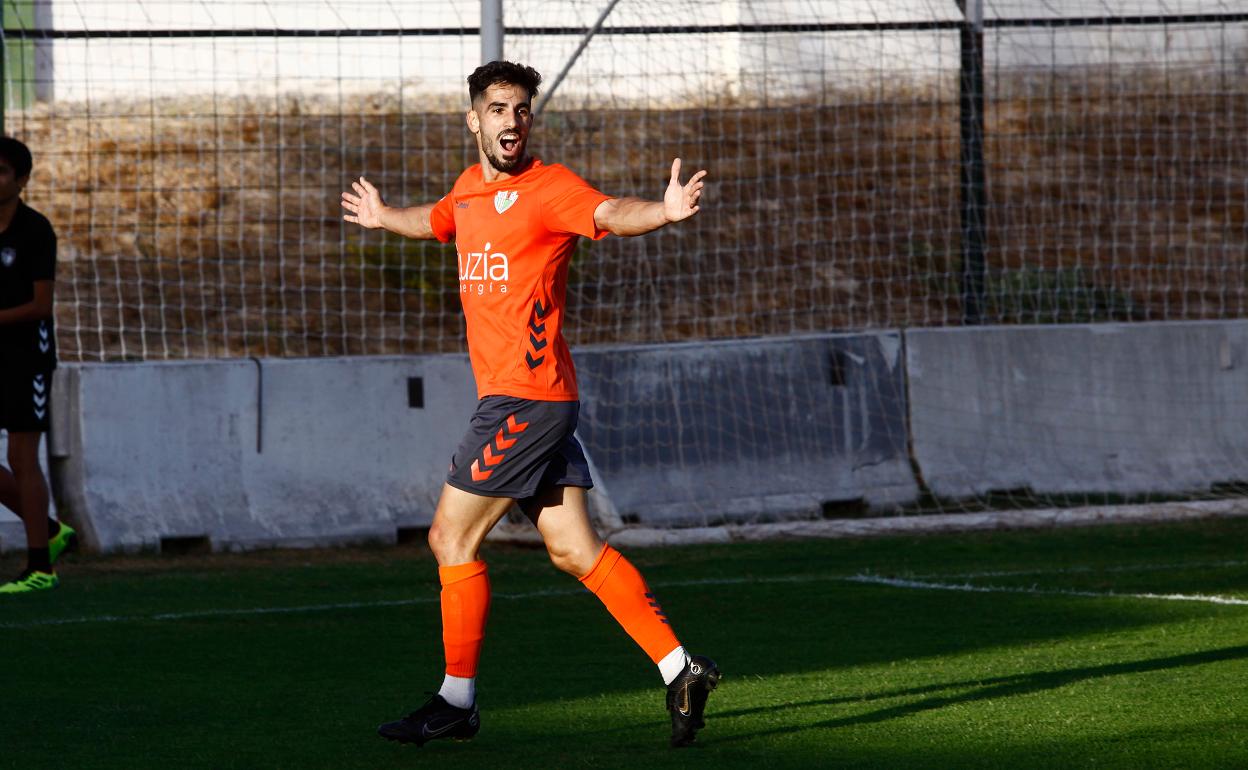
{"points": [[510, 142]]}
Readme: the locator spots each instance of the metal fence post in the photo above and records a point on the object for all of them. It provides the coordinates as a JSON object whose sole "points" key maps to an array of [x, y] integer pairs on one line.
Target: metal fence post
{"points": [[972, 174], [491, 31], [4, 54]]}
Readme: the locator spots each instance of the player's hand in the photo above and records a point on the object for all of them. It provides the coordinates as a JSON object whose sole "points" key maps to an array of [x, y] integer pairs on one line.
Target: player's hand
{"points": [[681, 201], [364, 205]]}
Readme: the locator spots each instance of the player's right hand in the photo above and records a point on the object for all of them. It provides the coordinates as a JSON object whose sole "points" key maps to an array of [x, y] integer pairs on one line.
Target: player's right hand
{"points": [[364, 206]]}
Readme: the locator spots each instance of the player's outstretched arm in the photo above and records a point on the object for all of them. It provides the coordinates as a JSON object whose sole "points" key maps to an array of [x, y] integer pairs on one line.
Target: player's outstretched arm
{"points": [[365, 208], [634, 216]]}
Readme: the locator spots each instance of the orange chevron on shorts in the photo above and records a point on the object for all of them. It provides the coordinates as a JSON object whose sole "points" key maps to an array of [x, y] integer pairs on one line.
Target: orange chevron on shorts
{"points": [[514, 426], [502, 442], [490, 458], [478, 474]]}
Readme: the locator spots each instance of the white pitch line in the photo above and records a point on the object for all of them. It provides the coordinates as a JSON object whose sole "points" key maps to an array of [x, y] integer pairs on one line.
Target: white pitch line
{"points": [[211, 613], [221, 613], [566, 592], [1084, 570], [930, 586], [243, 611]]}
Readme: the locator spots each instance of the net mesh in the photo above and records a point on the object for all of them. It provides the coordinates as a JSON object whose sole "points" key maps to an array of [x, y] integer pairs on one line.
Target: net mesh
{"points": [[191, 154]]}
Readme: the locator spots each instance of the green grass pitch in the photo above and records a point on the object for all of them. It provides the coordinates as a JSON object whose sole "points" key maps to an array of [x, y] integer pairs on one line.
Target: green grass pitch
{"points": [[1056, 648]]}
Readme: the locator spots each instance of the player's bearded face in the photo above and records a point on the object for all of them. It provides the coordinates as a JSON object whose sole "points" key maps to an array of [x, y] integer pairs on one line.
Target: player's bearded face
{"points": [[506, 150], [505, 119]]}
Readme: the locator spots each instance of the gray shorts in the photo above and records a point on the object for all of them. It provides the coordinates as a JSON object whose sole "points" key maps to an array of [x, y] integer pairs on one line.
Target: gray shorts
{"points": [[517, 448]]}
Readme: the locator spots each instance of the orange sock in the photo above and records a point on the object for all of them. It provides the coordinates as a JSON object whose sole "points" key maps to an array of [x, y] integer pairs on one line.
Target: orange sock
{"points": [[619, 585], [465, 605]]}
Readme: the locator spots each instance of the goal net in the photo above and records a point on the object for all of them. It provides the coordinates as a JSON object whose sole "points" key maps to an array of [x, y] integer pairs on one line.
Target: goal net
{"points": [[191, 154]]}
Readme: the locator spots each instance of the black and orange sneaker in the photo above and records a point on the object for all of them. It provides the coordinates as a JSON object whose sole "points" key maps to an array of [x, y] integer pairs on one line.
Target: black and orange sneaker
{"points": [[435, 719], [686, 698]]}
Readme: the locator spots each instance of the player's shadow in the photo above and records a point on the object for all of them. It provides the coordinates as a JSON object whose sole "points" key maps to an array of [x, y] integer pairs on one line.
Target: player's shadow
{"points": [[985, 689]]}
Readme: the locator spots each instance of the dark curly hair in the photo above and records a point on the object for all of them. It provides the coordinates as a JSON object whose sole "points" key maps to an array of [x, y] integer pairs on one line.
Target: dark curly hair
{"points": [[17, 154], [503, 72]]}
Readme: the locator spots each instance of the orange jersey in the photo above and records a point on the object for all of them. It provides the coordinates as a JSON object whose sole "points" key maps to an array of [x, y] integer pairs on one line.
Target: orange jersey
{"points": [[514, 239]]}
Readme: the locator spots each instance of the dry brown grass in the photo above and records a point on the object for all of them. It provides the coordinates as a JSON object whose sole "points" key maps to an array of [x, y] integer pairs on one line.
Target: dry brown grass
{"points": [[197, 229]]}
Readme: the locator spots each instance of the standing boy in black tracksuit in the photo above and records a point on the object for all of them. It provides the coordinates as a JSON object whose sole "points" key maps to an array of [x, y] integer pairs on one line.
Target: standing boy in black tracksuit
{"points": [[27, 358]]}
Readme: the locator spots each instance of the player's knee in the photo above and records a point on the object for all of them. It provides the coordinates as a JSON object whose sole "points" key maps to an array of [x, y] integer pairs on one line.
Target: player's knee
{"points": [[574, 561], [564, 562], [448, 546], [437, 540]]}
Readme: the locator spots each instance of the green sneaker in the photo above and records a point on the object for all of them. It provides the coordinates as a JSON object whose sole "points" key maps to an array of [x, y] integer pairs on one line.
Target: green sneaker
{"points": [[64, 538], [31, 581]]}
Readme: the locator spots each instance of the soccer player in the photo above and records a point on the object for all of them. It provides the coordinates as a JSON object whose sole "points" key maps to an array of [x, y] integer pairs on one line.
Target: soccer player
{"points": [[515, 222], [27, 358]]}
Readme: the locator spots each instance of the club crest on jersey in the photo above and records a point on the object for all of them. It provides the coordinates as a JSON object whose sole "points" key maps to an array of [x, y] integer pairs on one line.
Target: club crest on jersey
{"points": [[8, 255], [504, 198]]}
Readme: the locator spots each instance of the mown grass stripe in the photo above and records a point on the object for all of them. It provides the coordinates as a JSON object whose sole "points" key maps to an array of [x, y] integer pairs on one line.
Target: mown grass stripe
{"points": [[914, 583]]}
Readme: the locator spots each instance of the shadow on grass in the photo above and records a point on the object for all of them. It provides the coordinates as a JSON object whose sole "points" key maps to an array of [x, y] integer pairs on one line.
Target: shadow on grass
{"points": [[988, 689]]}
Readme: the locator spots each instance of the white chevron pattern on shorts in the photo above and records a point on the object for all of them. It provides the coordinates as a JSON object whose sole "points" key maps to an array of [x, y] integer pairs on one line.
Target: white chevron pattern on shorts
{"points": [[40, 397]]}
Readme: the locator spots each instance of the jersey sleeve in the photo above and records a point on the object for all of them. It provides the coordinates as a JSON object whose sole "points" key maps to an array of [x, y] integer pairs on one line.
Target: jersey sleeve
{"points": [[442, 218], [43, 265], [570, 204]]}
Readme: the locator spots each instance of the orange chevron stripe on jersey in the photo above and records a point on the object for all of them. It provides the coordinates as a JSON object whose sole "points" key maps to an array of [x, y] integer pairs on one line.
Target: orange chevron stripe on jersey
{"points": [[478, 474], [516, 427]]}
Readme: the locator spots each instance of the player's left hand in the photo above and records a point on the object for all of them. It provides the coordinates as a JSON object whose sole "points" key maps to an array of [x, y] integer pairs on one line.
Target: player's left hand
{"points": [[681, 201]]}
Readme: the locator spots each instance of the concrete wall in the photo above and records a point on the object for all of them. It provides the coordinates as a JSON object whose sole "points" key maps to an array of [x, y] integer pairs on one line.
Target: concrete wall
{"points": [[296, 452], [341, 445], [155, 451], [250, 454], [683, 433], [1129, 409]]}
